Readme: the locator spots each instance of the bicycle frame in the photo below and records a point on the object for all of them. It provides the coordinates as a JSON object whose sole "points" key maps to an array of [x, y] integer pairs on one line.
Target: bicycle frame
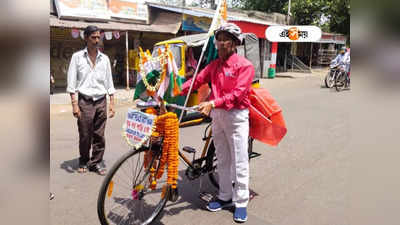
{"points": [[205, 147]]}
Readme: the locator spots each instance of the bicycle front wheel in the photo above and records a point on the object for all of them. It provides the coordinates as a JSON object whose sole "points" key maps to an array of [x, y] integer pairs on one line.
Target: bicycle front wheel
{"points": [[340, 81], [330, 79], [126, 196]]}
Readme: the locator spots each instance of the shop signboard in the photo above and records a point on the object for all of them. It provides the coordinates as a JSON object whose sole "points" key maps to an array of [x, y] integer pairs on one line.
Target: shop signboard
{"points": [[129, 9], [193, 23], [86, 9], [293, 33]]}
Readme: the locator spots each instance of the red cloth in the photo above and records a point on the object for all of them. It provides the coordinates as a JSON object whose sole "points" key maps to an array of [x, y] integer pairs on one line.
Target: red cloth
{"points": [[248, 27], [266, 120], [230, 82]]}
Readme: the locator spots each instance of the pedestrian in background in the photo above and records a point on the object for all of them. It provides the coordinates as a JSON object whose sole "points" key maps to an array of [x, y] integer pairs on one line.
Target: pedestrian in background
{"points": [[89, 82]]}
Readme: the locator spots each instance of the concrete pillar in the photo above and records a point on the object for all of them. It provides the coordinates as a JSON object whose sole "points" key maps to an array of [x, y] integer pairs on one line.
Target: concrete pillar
{"points": [[272, 66]]}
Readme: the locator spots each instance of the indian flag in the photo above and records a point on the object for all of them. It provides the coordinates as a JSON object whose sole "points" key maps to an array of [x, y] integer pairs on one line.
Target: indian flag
{"points": [[219, 18], [165, 82], [149, 68], [175, 81], [171, 81]]}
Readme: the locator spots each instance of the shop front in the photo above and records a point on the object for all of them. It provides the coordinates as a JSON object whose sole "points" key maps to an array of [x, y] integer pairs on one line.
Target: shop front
{"points": [[64, 42], [121, 35]]}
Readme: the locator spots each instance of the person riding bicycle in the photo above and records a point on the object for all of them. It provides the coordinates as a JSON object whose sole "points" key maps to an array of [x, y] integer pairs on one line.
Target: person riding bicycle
{"points": [[342, 60], [230, 76]]}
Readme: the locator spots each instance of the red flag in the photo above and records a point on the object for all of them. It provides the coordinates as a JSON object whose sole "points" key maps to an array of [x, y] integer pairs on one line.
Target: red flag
{"points": [[266, 120]]}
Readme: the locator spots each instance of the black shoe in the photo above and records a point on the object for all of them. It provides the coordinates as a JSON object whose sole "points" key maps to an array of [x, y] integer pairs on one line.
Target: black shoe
{"points": [[98, 169]]}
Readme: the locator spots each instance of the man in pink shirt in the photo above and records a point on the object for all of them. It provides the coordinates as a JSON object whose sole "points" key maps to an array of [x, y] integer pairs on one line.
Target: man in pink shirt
{"points": [[230, 76]]}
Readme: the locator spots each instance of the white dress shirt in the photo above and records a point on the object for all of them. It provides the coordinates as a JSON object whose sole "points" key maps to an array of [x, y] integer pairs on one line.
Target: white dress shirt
{"points": [[94, 82], [342, 60]]}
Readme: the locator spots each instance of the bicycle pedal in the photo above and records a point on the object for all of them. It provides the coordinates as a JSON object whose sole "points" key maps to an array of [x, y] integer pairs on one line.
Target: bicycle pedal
{"points": [[254, 155], [189, 149], [205, 196]]}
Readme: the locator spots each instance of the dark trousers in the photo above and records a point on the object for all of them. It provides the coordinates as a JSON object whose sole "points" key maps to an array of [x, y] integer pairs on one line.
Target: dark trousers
{"points": [[91, 126]]}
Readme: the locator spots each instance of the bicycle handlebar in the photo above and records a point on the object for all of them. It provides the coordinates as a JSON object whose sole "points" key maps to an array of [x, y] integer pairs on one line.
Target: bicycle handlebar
{"points": [[192, 109], [149, 104]]}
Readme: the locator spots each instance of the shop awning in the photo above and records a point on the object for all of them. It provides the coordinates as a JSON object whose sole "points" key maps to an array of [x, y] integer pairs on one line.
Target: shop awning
{"points": [[332, 38], [247, 27], [205, 12], [165, 22]]}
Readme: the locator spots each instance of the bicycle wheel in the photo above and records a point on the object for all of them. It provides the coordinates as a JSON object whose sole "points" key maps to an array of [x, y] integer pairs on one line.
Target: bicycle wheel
{"points": [[211, 162], [330, 79], [125, 195], [340, 81]]}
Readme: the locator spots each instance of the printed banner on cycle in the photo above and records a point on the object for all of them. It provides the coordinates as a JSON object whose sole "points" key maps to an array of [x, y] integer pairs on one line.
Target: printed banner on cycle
{"points": [[138, 127], [293, 33]]}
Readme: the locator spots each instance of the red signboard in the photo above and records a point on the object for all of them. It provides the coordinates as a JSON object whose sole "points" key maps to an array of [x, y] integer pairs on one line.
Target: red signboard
{"points": [[247, 27]]}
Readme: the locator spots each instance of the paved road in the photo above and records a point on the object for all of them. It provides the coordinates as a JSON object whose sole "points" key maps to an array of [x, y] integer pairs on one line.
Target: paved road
{"points": [[303, 181]]}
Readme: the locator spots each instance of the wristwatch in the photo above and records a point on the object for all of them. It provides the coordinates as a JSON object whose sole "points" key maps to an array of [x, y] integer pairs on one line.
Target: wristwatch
{"points": [[212, 104]]}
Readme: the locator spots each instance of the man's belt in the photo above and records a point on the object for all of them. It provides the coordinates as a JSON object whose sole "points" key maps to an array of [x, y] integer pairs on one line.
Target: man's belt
{"points": [[88, 98]]}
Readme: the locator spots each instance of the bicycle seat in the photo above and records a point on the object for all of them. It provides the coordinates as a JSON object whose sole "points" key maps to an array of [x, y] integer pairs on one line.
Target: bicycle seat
{"points": [[189, 149]]}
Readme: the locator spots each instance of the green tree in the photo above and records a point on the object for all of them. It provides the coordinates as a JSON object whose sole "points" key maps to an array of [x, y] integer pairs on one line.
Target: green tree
{"points": [[265, 5], [306, 12], [339, 20]]}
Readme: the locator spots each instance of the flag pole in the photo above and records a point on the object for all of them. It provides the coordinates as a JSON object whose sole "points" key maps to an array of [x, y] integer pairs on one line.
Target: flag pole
{"points": [[213, 23], [194, 78]]}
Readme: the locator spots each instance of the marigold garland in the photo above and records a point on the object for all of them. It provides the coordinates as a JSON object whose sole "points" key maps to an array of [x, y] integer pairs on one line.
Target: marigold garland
{"points": [[168, 127]]}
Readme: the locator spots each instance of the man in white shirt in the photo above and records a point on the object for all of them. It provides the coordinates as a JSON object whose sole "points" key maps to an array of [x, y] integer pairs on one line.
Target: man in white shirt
{"points": [[342, 59], [89, 77]]}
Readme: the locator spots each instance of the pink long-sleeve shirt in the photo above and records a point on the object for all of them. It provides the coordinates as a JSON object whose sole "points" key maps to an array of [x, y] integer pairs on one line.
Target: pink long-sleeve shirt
{"points": [[230, 82]]}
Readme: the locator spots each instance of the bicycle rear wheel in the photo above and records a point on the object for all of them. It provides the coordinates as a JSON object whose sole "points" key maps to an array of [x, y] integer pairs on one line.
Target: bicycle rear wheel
{"points": [[340, 81], [125, 195], [211, 163]]}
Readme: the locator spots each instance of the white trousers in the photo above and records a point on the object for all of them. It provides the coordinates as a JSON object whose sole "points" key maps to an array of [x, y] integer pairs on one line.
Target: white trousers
{"points": [[230, 134]]}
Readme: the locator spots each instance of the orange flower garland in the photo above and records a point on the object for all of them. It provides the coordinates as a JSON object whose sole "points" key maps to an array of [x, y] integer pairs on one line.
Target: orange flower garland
{"points": [[167, 125]]}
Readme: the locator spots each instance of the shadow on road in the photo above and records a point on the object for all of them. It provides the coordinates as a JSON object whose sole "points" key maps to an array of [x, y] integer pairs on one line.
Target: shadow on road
{"points": [[70, 165], [189, 194]]}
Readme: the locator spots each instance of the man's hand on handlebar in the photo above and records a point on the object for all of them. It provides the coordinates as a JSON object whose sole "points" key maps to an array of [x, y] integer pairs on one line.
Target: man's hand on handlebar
{"points": [[163, 109], [205, 107]]}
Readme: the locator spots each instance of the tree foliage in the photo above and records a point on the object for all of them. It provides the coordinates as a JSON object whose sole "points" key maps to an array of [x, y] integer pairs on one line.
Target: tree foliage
{"points": [[330, 15], [265, 5], [339, 12]]}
